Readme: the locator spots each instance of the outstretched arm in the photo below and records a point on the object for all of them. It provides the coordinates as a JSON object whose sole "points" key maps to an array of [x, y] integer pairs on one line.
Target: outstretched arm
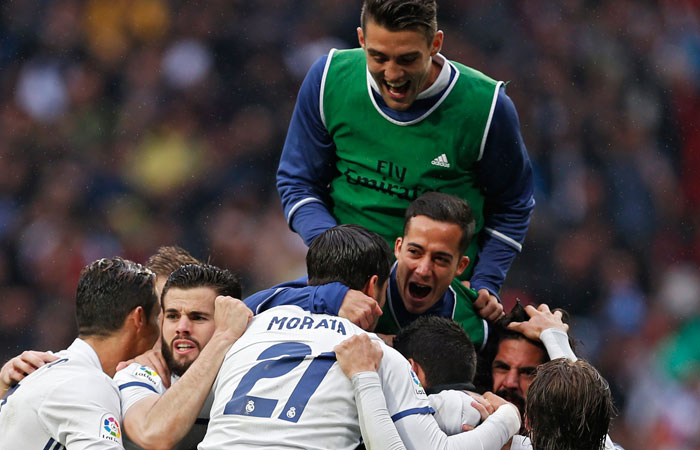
{"points": [[307, 164], [505, 174]]}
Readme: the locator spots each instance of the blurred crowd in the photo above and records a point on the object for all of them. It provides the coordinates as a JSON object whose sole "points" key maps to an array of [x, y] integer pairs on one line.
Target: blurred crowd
{"points": [[130, 124]]}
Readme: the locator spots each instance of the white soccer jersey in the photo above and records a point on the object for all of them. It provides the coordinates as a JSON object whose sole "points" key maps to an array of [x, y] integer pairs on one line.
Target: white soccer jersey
{"points": [[68, 403], [279, 386], [137, 382]]}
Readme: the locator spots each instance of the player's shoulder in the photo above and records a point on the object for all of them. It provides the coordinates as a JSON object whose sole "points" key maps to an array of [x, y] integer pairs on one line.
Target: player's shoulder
{"points": [[138, 375], [75, 385]]}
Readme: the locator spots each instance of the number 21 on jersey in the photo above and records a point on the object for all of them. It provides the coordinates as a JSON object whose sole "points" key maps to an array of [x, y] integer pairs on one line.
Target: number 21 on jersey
{"points": [[289, 355]]}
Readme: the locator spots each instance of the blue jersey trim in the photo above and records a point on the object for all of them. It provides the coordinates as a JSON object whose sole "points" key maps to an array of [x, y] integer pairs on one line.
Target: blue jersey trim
{"points": [[137, 383], [409, 412], [53, 445]]}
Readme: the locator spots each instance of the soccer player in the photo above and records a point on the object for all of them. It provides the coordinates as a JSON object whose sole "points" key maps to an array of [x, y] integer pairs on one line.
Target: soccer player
{"points": [[443, 358], [569, 407], [547, 327], [429, 255], [162, 263], [279, 384], [201, 319], [73, 402], [377, 126]]}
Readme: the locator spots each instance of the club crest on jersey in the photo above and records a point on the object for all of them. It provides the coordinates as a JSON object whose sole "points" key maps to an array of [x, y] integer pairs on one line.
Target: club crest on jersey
{"points": [[417, 386], [110, 429], [148, 374]]}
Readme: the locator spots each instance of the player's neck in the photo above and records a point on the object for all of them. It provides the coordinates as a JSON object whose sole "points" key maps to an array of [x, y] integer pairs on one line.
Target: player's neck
{"points": [[435, 69], [111, 350]]}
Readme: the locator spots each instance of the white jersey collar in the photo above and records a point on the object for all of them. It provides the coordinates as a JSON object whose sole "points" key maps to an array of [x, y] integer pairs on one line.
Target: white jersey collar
{"points": [[85, 351]]}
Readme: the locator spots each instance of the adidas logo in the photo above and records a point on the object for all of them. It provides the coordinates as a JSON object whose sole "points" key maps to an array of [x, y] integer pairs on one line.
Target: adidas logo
{"points": [[440, 161]]}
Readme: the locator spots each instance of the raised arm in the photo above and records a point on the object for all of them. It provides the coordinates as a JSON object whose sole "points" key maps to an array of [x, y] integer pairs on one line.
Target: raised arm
{"points": [[546, 326], [360, 357], [162, 421]]}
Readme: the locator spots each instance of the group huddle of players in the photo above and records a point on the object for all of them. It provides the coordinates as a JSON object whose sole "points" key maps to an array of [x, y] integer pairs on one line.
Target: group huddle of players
{"points": [[406, 149], [288, 377]]}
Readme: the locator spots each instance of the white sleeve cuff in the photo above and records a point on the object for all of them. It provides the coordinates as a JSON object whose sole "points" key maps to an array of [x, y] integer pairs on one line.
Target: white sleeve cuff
{"points": [[557, 344]]}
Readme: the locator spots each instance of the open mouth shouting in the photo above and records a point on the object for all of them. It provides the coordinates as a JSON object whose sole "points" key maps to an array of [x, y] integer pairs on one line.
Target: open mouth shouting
{"points": [[418, 291], [397, 90]]}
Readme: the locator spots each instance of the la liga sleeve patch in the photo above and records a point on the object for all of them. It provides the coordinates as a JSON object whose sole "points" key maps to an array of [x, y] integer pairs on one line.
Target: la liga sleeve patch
{"points": [[110, 428]]}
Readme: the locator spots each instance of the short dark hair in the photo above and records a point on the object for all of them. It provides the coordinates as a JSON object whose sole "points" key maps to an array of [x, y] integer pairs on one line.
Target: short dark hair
{"points": [[108, 290], [441, 347], [349, 254], [189, 276], [168, 258], [568, 407], [396, 15], [443, 208], [500, 332]]}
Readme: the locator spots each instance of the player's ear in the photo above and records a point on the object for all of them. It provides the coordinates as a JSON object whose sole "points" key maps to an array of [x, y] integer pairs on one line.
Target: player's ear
{"points": [[418, 370], [462, 265], [138, 318], [371, 288], [397, 247], [436, 44], [360, 37]]}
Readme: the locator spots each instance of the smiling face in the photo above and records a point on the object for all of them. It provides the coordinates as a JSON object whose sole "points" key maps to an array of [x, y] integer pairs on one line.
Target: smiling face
{"points": [[188, 324], [428, 259], [400, 62]]}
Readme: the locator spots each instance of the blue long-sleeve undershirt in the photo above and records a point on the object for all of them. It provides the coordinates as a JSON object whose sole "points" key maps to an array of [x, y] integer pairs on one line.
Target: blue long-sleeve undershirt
{"points": [[308, 164]]}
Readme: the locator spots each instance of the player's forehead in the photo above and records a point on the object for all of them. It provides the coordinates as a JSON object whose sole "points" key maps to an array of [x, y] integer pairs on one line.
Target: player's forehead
{"points": [[517, 353], [186, 300], [433, 234], [394, 42]]}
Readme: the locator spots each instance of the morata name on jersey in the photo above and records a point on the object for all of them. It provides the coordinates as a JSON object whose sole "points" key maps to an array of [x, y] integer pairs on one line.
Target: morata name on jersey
{"points": [[307, 323]]}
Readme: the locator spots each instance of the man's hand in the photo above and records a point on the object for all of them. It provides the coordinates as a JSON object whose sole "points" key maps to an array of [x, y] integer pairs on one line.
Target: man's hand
{"points": [[20, 366], [153, 359], [482, 405], [487, 306], [358, 354], [541, 318], [231, 317], [497, 401], [359, 309]]}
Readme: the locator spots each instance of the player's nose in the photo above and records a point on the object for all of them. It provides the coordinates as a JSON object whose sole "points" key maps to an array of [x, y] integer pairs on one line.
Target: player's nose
{"points": [[512, 380], [184, 326], [392, 71], [424, 267]]}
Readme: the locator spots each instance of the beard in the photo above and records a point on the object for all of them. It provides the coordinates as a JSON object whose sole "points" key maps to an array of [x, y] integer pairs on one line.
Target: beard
{"points": [[519, 402], [176, 367], [513, 397]]}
